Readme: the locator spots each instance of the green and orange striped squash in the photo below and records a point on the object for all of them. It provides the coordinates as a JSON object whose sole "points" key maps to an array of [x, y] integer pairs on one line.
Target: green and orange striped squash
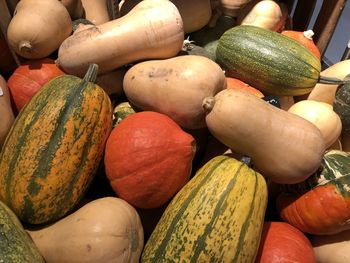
{"points": [[216, 217], [321, 204], [54, 148], [15, 243]]}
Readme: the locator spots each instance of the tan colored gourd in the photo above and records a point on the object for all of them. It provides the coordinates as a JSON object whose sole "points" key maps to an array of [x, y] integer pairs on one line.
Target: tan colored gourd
{"points": [[325, 92], [6, 114], [322, 115], [232, 7], [265, 14], [104, 230], [38, 28], [112, 82], [195, 13], [332, 248], [96, 11], [153, 29], [283, 146], [74, 7], [175, 87]]}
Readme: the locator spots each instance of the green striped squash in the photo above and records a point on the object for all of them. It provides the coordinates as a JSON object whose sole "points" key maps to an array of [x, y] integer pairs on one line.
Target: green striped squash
{"points": [[54, 147], [269, 61], [216, 217], [15, 244]]}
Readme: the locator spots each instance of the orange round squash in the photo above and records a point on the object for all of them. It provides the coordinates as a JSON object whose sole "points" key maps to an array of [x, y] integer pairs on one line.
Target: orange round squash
{"points": [[148, 158], [281, 243], [29, 77], [233, 83], [304, 38]]}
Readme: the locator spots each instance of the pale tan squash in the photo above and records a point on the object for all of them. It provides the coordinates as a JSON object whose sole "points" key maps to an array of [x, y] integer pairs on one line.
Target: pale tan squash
{"points": [[6, 114], [74, 7], [112, 82], [153, 29], [325, 92], [283, 146], [232, 7], [265, 14], [332, 248], [96, 11], [322, 115], [38, 28], [104, 230], [195, 13], [175, 87]]}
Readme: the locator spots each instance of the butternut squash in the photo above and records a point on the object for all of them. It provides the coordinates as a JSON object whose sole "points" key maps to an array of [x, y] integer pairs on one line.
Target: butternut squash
{"points": [[332, 248], [38, 28], [266, 14], [112, 82], [232, 7], [104, 230], [322, 115], [96, 11], [283, 146], [6, 112], [153, 29], [175, 87], [74, 8], [325, 92]]}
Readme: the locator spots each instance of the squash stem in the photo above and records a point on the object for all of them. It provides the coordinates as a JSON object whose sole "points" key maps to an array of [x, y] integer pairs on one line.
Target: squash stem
{"points": [[91, 74], [331, 81]]}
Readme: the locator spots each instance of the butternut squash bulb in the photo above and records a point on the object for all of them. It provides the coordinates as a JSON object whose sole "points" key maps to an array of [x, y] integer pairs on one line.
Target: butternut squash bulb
{"points": [[38, 28], [175, 87], [104, 230]]}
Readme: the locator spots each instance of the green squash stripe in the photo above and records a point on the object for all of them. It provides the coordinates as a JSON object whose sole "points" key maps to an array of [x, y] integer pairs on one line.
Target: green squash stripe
{"points": [[160, 252], [201, 243]]}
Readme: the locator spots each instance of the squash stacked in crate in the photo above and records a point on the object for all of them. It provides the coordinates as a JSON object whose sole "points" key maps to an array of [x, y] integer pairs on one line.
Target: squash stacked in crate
{"points": [[161, 131]]}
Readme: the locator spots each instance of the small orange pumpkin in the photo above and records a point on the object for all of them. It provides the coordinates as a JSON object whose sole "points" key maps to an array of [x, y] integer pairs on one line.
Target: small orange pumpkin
{"points": [[29, 77], [233, 83], [148, 158], [304, 38]]}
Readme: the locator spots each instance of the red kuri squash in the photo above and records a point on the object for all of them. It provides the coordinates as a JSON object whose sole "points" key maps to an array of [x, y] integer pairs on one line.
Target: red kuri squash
{"points": [[282, 243], [148, 158], [29, 77], [233, 83]]}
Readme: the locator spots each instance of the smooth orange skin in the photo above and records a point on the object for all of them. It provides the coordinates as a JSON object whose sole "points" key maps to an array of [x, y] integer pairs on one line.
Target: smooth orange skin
{"points": [[322, 210], [233, 83], [281, 242], [148, 158]]}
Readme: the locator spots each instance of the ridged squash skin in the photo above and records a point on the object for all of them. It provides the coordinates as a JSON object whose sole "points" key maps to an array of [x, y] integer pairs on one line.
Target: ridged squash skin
{"points": [[15, 244], [267, 60], [216, 217], [53, 149]]}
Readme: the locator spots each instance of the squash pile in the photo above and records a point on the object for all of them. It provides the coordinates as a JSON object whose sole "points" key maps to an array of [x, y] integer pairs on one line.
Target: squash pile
{"points": [[170, 131]]}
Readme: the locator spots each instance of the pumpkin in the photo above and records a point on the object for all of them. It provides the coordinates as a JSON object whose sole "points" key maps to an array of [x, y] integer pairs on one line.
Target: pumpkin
{"points": [[29, 77], [321, 204], [6, 113], [216, 217], [103, 230], [281, 242], [54, 148], [233, 83], [38, 28], [148, 158], [326, 92], [341, 104], [15, 244], [283, 146], [266, 14], [74, 8], [322, 115], [153, 29], [175, 87], [304, 38], [332, 248], [269, 61], [96, 11]]}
